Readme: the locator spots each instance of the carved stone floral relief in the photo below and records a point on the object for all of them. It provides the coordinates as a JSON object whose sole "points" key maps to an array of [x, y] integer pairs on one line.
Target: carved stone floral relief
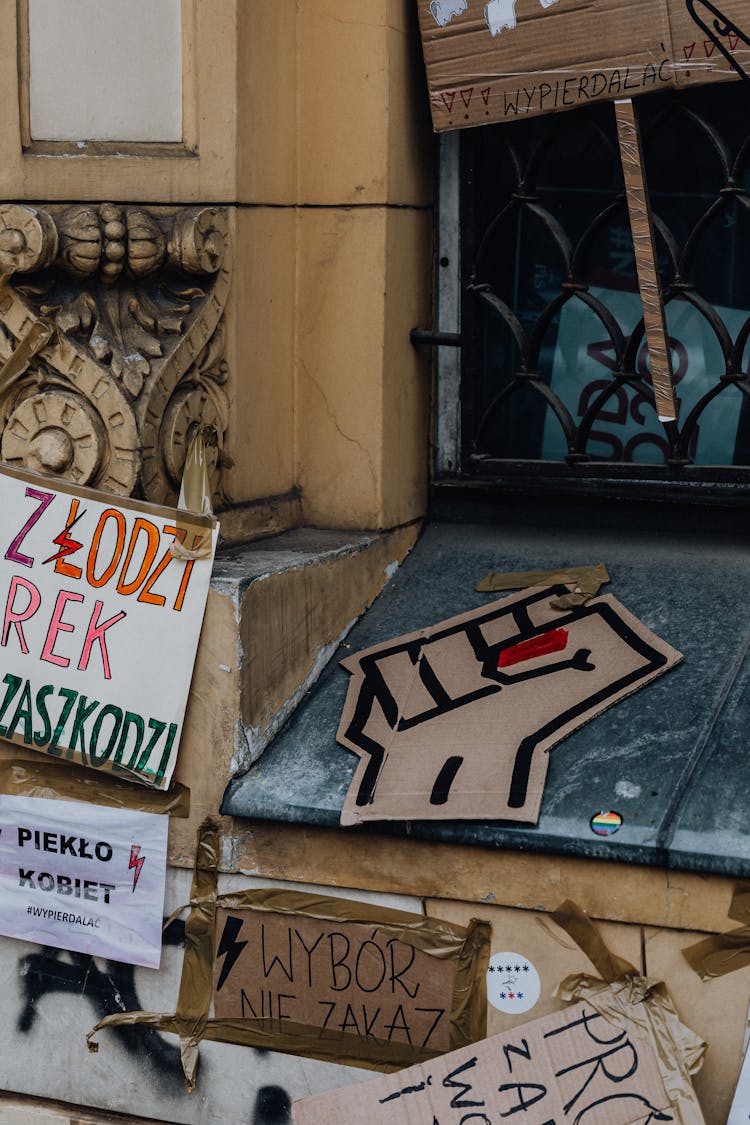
{"points": [[132, 301]]}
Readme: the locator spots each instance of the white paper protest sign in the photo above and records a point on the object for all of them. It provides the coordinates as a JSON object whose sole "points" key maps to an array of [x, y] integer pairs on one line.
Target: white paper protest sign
{"points": [[83, 877], [99, 624]]}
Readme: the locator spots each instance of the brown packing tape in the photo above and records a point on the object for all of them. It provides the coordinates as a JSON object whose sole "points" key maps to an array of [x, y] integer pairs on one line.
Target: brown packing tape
{"points": [[194, 1000], [76, 783], [660, 359], [724, 953], [625, 997], [586, 580], [338, 1047], [125, 503], [585, 934], [721, 954], [468, 947], [739, 909], [194, 542]]}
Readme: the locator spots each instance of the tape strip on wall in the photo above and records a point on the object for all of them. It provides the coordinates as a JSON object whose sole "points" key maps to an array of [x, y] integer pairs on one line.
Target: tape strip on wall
{"points": [[624, 995], [466, 947], [71, 782], [194, 542], [724, 953]]}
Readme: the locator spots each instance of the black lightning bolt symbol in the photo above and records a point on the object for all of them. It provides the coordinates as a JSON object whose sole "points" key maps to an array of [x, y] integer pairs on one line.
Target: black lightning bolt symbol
{"points": [[229, 945]]}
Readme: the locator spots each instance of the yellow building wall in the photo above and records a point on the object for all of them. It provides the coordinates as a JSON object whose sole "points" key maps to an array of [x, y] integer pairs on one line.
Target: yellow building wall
{"points": [[309, 122], [362, 391], [363, 265]]}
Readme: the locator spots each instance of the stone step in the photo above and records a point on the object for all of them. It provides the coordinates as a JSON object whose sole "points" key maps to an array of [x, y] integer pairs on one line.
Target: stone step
{"points": [[277, 609]]}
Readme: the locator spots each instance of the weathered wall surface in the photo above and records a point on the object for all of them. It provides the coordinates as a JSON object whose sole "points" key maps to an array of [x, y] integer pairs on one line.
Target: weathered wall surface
{"points": [[308, 124], [53, 998], [303, 124]]}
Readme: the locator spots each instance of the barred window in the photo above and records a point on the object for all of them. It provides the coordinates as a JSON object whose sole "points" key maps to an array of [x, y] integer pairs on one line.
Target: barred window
{"points": [[554, 377]]}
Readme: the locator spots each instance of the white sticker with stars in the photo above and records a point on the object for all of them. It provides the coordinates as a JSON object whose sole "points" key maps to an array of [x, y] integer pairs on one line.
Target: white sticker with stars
{"points": [[513, 984]]}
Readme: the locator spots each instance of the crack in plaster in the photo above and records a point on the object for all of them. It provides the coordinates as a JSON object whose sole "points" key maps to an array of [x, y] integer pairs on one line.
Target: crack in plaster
{"points": [[347, 437]]}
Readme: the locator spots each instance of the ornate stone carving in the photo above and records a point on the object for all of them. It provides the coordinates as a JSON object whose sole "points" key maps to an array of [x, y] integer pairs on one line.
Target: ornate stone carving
{"points": [[136, 361]]}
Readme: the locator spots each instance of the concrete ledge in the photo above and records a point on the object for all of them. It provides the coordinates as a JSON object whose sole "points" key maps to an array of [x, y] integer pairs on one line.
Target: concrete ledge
{"points": [[671, 759]]}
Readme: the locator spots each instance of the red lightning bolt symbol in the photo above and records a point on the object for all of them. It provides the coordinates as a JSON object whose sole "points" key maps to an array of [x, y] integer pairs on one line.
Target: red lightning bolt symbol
{"points": [[65, 543], [136, 862]]}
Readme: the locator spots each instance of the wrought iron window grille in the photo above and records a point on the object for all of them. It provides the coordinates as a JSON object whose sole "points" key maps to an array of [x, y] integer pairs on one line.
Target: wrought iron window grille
{"points": [[554, 381]]}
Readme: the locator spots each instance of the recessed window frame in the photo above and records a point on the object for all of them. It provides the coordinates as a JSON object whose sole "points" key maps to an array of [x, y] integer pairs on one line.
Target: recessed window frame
{"points": [[186, 147], [451, 463]]}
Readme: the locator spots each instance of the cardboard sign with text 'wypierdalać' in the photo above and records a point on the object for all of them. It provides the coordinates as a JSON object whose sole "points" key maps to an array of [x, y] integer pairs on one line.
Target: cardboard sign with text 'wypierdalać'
{"points": [[572, 1066], [100, 624], [347, 981], [500, 60], [455, 722]]}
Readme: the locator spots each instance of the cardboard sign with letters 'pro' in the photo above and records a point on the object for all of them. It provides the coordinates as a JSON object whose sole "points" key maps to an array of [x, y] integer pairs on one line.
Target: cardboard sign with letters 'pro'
{"points": [[455, 721], [572, 1066]]}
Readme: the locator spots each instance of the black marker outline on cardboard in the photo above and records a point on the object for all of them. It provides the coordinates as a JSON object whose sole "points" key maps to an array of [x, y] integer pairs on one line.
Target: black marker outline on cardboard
{"points": [[722, 28], [374, 688]]}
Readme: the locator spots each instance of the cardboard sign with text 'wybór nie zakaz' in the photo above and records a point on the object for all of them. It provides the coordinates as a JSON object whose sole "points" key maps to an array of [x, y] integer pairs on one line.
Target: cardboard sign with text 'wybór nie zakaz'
{"points": [[347, 981]]}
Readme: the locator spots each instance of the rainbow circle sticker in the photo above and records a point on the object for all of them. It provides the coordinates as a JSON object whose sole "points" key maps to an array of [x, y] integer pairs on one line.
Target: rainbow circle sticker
{"points": [[606, 823]]}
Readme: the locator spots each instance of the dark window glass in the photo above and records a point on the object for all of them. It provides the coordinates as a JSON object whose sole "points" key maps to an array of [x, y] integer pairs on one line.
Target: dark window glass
{"points": [[554, 362]]}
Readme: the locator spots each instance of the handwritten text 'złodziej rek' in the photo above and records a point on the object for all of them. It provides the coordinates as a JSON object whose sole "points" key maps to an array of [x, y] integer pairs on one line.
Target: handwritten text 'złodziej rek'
{"points": [[100, 626]]}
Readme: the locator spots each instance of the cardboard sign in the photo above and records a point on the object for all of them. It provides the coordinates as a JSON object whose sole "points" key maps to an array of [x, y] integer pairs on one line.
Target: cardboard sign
{"points": [[647, 266], [500, 60], [455, 722], [100, 625], [82, 877], [571, 1066], [340, 979]]}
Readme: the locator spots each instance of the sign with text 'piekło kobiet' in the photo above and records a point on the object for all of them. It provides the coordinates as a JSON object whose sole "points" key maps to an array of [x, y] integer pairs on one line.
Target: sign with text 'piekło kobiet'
{"points": [[100, 624], [83, 877]]}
